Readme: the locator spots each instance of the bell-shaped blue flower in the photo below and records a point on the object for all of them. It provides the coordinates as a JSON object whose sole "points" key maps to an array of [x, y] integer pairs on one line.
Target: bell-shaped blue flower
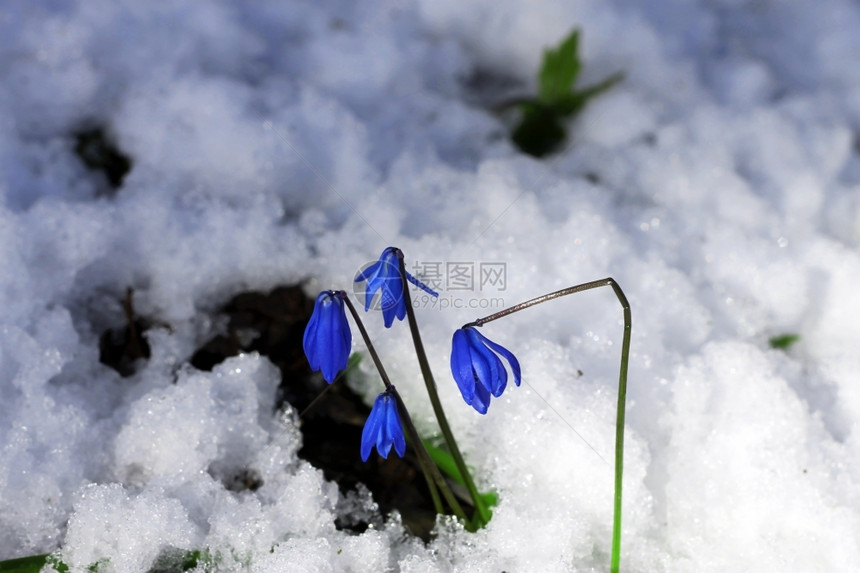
{"points": [[477, 368], [382, 428], [384, 276], [327, 339]]}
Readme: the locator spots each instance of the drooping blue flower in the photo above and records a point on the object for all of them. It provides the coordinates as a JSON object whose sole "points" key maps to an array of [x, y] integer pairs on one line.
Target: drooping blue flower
{"points": [[477, 368], [384, 276], [382, 428], [327, 339]]}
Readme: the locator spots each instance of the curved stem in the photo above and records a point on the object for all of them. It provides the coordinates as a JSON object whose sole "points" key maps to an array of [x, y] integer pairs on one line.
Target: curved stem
{"points": [[430, 383], [622, 389], [431, 473], [548, 297]]}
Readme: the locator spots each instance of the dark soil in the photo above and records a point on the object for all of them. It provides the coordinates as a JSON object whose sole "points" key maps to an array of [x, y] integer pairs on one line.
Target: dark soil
{"points": [[98, 152], [273, 324]]}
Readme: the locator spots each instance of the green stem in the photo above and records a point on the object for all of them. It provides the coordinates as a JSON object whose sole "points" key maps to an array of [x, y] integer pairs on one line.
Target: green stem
{"points": [[431, 472], [426, 461], [619, 428], [622, 390], [430, 383]]}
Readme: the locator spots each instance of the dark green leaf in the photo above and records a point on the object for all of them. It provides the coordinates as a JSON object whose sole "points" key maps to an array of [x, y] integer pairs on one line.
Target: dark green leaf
{"points": [[446, 464], [24, 565], [539, 131], [99, 565], [444, 461], [178, 560], [559, 70], [353, 361], [573, 103], [175, 561], [32, 564], [783, 341]]}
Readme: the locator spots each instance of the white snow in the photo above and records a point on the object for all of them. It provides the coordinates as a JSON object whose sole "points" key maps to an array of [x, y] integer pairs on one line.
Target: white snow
{"points": [[275, 142]]}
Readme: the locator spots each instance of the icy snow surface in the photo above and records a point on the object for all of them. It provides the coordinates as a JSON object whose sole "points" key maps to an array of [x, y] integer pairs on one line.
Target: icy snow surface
{"points": [[274, 142]]}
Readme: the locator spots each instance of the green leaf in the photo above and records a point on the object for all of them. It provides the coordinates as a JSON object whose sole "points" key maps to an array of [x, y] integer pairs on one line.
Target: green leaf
{"points": [[783, 341], [353, 361], [32, 564], [444, 461], [540, 130], [573, 103], [176, 561], [24, 565], [98, 565], [446, 464], [559, 70]]}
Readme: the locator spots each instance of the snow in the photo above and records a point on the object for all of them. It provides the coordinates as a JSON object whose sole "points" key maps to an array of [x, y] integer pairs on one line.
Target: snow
{"points": [[273, 143]]}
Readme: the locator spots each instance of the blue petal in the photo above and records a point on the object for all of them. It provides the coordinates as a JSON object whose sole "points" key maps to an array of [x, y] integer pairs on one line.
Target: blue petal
{"points": [[478, 368], [383, 429], [372, 427], [327, 339], [391, 427], [461, 365], [508, 355], [421, 285], [383, 436], [384, 276], [481, 400], [489, 369], [370, 274], [308, 342], [392, 301], [341, 341]]}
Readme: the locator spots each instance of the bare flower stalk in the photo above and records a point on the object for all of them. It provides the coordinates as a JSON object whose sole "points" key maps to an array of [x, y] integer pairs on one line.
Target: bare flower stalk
{"points": [[622, 389]]}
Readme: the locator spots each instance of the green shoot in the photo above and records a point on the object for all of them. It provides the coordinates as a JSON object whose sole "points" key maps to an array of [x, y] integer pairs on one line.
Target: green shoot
{"points": [[621, 408], [448, 465], [559, 70], [32, 564], [783, 341], [541, 129]]}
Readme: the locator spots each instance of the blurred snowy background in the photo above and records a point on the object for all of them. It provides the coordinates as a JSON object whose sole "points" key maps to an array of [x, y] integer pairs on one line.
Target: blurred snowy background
{"points": [[270, 143]]}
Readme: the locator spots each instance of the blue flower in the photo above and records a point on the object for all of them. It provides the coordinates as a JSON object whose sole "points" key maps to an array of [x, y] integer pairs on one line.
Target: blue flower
{"points": [[382, 428], [328, 340], [477, 368], [384, 276]]}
